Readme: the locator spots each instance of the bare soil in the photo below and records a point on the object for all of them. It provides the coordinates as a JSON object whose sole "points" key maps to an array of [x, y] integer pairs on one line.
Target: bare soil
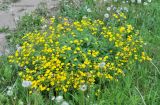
{"points": [[16, 10]]}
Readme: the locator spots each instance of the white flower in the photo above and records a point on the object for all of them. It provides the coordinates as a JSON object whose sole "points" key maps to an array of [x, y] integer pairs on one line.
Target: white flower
{"points": [[53, 98], [59, 99], [44, 26], [114, 8], [20, 102], [89, 10], [83, 87], [126, 9], [145, 44], [107, 1], [9, 87], [121, 9], [9, 92], [118, 11], [102, 64], [18, 47], [145, 3], [149, 1], [133, 1], [65, 103], [15, 98], [106, 15], [108, 8], [139, 1], [123, 2], [84, 17], [25, 67], [26, 83]]}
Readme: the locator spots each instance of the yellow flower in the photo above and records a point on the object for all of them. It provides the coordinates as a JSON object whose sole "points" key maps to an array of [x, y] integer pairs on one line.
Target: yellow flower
{"points": [[122, 29], [70, 55]]}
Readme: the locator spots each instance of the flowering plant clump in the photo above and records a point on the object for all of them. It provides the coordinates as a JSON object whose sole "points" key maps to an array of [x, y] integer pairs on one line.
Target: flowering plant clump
{"points": [[67, 55]]}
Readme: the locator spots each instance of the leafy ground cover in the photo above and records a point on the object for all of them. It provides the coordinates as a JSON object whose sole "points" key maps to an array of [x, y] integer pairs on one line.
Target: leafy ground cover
{"points": [[96, 41]]}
